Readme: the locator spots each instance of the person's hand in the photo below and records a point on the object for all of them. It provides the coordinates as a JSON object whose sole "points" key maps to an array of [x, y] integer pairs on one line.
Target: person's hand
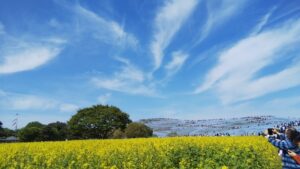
{"points": [[275, 131], [266, 133], [291, 153]]}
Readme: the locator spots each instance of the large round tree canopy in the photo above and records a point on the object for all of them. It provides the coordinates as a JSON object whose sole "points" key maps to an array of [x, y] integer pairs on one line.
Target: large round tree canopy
{"points": [[97, 122]]}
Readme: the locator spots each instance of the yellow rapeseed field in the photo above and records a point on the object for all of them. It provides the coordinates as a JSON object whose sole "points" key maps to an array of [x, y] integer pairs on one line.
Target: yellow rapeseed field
{"points": [[152, 153]]}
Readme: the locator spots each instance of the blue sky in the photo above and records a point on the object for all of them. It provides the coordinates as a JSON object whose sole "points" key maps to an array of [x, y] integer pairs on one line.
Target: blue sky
{"points": [[183, 59]]}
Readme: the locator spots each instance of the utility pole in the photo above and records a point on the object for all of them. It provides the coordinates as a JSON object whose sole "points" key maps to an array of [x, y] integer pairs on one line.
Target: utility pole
{"points": [[15, 122]]}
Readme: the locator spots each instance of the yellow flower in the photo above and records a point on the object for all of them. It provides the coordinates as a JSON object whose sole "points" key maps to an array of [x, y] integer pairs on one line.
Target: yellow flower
{"points": [[179, 152], [224, 167]]}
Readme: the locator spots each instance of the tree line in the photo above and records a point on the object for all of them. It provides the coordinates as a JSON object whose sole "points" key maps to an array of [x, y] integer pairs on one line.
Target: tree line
{"points": [[96, 122], [6, 132]]}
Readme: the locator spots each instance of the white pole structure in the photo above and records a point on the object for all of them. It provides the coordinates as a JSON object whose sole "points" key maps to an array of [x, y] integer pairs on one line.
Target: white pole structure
{"points": [[15, 122]]}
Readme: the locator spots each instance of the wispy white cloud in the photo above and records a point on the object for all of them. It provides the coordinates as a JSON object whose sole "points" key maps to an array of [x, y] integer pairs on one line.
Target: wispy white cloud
{"points": [[56, 40], [17, 101], [27, 102], [28, 52], [107, 31], [284, 79], [167, 22], [2, 29], [218, 12], [129, 79], [234, 76], [285, 13], [264, 20], [103, 99], [27, 58], [2, 93], [67, 107], [286, 101], [178, 60], [130, 71], [55, 23]]}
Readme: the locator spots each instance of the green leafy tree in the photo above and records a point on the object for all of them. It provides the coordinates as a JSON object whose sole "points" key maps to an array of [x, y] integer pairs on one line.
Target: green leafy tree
{"points": [[173, 134], [6, 132], [137, 130], [117, 134], [97, 122], [35, 124], [55, 131], [2, 134], [31, 132]]}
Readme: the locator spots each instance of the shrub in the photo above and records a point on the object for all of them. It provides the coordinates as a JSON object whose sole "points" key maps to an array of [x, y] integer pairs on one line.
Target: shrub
{"points": [[138, 130]]}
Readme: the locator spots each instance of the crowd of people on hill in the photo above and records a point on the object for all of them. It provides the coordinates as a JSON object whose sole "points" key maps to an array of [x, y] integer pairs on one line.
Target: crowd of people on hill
{"points": [[283, 126], [222, 134], [288, 143]]}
